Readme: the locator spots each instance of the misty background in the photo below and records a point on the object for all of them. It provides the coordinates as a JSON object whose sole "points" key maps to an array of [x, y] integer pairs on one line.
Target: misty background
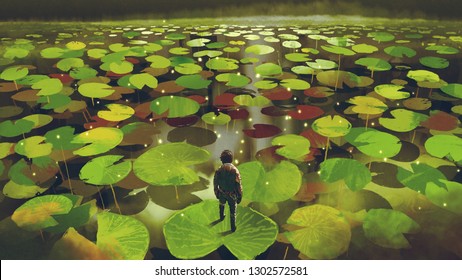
{"points": [[157, 9]]}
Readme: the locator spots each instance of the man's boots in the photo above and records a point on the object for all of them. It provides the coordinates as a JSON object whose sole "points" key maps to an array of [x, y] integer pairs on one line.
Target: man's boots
{"points": [[233, 223], [222, 212]]}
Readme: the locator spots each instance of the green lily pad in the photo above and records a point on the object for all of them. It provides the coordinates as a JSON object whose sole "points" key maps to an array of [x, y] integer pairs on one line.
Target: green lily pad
{"points": [[422, 175], [295, 84], [403, 121], [142, 80], [179, 51], [339, 78], [449, 197], [222, 64], [322, 64], [197, 43], [17, 191], [67, 64], [423, 76], [177, 60], [190, 228], [100, 140], [381, 36], [434, 62], [15, 52], [33, 147], [10, 129], [195, 81], [297, 57], [61, 138], [303, 70], [400, 51], [37, 213], [211, 118], [441, 146], [54, 101], [453, 90], [338, 50], [19, 175], [97, 53], [77, 217], [278, 184], [175, 36], [321, 232], [158, 61], [10, 111], [122, 67], [209, 53], [355, 175], [391, 91], [268, 69], [82, 73], [294, 146], [249, 101], [31, 79], [367, 105], [168, 164], [152, 47], [95, 90], [364, 48], [291, 44], [265, 84], [122, 237], [48, 87], [233, 80], [374, 143], [385, 227], [340, 41], [53, 52], [331, 126], [374, 64], [442, 49], [116, 113], [188, 68], [176, 106], [14, 73], [259, 49], [102, 170]]}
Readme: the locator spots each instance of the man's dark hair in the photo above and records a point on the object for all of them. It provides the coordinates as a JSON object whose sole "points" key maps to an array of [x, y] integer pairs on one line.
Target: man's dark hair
{"points": [[226, 156]]}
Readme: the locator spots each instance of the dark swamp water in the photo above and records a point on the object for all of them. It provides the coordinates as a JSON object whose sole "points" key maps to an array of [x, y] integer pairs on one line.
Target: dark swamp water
{"points": [[383, 96]]}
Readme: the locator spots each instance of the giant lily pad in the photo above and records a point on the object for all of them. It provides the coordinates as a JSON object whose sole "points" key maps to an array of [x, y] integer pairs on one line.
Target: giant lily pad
{"points": [[38, 212], [103, 171], [233, 80], [381, 36], [249, 101], [332, 126], [400, 51], [434, 62], [175, 106], [445, 146], [391, 91], [374, 143], [101, 140], [355, 175], [141, 80], [278, 184], [67, 64], [449, 197], [338, 50], [295, 146], [116, 113], [423, 76], [222, 64], [259, 49], [403, 121], [453, 90], [367, 105], [195, 81], [385, 227], [33, 147], [168, 164], [74, 246], [212, 118], [122, 237], [374, 64], [95, 90], [320, 232], [48, 86], [421, 176], [190, 228], [14, 73], [61, 138], [10, 129], [268, 69], [340, 78]]}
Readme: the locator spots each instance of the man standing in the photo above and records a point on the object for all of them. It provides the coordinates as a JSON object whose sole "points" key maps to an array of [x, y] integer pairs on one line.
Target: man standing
{"points": [[227, 186]]}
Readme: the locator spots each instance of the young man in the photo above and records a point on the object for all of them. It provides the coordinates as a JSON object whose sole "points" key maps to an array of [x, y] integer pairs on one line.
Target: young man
{"points": [[227, 187]]}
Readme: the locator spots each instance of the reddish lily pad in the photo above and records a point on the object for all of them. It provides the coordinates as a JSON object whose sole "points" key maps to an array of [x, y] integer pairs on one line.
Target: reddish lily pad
{"points": [[262, 131], [277, 94], [441, 121], [306, 112]]}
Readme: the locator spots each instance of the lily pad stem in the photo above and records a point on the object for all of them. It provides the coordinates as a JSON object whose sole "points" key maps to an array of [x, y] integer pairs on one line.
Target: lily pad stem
{"points": [[176, 194], [367, 120], [101, 197], [15, 85], [67, 170], [327, 149], [115, 199], [338, 71], [285, 254]]}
